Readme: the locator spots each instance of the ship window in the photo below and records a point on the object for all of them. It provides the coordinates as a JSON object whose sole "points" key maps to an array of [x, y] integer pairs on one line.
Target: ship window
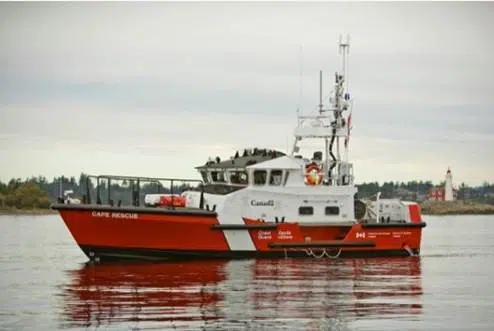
{"points": [[275, 177], [260, 177], [238, 177], [305, 210], [218, 176], [332, 210]]}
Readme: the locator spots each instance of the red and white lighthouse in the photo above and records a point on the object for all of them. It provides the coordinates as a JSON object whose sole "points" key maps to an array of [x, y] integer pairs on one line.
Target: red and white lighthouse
{"points": [[448, 186], [446, 192]]}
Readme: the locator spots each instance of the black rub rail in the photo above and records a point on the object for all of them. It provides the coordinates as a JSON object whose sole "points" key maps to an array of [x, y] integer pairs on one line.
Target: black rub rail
{"points": [[322, 244], [131, 209], [262, 226], [394, 225]]}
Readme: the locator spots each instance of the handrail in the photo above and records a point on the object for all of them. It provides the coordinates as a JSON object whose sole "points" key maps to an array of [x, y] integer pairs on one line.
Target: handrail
{"points": [[136, 187], [149, 179]]}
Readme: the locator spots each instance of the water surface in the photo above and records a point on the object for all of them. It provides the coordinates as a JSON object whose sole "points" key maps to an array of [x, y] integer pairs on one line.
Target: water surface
{"points": [[46, 284]]}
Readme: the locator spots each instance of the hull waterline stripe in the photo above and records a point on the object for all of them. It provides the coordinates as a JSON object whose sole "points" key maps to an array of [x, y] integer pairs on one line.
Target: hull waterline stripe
{"points": [[120, 254]]}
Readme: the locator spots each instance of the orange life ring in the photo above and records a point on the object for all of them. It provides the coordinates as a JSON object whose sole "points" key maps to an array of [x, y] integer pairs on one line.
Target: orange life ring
{"points": [[313, 174]]}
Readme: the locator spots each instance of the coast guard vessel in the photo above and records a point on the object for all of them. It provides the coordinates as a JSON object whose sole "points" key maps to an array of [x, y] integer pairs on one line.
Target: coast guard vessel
{"points": [[260, 203]]}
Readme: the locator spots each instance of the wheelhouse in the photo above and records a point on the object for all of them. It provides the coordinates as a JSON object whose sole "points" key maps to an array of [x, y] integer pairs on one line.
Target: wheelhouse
{"points": [[233, 171]]}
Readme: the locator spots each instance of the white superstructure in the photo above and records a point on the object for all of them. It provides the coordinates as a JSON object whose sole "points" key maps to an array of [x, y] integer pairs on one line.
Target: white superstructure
{"points": [[318, 189]]}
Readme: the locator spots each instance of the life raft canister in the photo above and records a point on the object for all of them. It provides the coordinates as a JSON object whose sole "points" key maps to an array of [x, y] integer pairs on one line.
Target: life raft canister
{"points": [[313, 174], [175, 201]]}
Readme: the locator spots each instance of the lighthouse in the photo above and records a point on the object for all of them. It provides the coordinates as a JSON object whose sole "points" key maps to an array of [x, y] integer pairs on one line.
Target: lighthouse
{"points": [[448, 186]]}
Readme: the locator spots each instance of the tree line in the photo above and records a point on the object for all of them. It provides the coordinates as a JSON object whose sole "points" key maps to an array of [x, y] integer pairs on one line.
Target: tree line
{"points": [[39, 192]]}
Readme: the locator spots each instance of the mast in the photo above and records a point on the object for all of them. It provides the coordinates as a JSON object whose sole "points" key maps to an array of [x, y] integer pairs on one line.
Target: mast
{"points": [[344, 49], [301, 101], [320, 92], [333, 130], [339, 105]]}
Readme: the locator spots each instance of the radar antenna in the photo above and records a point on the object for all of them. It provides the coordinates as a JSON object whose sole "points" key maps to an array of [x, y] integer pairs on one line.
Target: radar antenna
{"points": [[344, 49]]}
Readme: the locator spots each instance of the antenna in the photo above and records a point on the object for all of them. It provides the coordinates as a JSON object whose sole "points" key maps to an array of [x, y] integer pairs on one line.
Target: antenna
{"points": [[300, 77], [320, 91], [344, 46], [344, 49]]}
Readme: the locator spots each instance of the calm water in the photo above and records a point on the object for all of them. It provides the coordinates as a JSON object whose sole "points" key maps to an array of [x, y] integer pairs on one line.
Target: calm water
{"points": [[46, 285]]}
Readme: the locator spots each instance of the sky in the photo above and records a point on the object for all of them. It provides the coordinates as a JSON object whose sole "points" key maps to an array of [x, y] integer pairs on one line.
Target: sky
{"points": [[156, 88]]}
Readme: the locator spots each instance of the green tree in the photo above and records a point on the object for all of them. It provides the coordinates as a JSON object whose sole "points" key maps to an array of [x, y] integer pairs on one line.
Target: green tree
{"points": [[2, 200], [29, 195]]}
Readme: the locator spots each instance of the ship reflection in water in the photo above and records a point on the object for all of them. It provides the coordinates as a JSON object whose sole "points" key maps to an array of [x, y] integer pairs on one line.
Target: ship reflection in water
{"points": [[265, 294]]}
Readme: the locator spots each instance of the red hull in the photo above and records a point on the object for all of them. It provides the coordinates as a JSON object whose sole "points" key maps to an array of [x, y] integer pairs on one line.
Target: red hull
{"points": [[150, 233]]}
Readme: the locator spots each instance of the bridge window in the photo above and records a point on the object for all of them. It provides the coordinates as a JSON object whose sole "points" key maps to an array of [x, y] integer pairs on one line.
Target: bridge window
{"points": [[260, 177], [238, 177], [306, 210], [275, 177], [218, 176], [332, 210]]}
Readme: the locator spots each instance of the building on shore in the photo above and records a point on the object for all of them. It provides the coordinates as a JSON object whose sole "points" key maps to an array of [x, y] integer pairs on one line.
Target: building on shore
{"points": [[444, 192]]}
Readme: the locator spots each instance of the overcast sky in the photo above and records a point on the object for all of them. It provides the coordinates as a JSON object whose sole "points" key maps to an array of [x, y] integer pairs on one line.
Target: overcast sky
{"points": [[154, 89]]}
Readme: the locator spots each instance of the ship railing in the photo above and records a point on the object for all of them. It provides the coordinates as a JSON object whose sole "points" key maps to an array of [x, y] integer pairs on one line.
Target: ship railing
{"points": [[135, 183]]}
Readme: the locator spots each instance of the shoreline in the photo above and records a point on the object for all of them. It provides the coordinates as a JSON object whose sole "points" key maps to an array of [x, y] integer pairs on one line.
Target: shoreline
{"points": [[24, 212], [457, 207], [456, 213]]}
